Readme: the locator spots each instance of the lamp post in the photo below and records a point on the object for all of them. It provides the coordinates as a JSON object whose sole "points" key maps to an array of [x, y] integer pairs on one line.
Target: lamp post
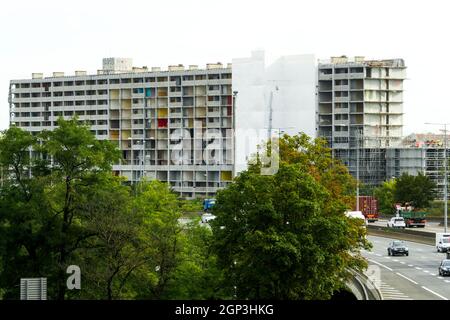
{"points": [[234, 132], [357, 168], [445, 171], [132, 160]]}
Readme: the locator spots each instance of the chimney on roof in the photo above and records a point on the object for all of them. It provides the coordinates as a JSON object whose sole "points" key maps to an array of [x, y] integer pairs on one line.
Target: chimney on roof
{"points": [[37, 75]]}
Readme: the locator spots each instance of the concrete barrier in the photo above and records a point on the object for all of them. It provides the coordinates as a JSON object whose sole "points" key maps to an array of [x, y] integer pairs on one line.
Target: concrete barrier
{"points": [[363, 288], [403, 234]]}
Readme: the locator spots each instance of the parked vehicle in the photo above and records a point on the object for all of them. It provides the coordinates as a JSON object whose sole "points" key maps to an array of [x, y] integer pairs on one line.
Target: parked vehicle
{"points": [[442, 242], [208, 204], [207, 217], [414, 218], [444, 267], [396, 222], [369, 207], [397, 247]]}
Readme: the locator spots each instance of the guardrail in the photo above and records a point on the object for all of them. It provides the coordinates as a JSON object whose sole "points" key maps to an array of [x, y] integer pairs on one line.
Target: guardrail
{"points": [[362, 287], [403, 234]]}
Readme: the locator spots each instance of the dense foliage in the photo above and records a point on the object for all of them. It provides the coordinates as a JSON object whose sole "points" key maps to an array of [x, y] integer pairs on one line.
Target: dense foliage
{"points": [[285, 236]]}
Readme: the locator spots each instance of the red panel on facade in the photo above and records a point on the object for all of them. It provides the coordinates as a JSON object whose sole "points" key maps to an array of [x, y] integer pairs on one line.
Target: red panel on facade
{"points": [[162, 123]]}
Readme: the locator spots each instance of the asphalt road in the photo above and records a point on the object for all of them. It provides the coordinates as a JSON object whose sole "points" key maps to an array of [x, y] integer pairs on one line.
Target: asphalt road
{"points": [[413, 277]]}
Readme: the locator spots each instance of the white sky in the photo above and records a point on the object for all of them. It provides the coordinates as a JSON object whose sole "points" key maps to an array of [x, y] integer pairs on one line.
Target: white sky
{"points": [[46, 36]]}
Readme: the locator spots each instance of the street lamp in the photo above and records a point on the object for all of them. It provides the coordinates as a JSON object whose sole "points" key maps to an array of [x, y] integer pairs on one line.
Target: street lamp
{"points": [[234, 132], [445, 171], [357, 168]]}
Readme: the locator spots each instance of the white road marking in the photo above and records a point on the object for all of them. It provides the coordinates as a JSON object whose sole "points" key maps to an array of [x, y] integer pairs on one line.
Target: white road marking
{"points": [[378, 255], [402, 262], [410, 265], [395, 260], [448, 281], [380, 264], [418, 268], [436, 294], [389, 258], [426, 271], [406, 278], [433, 274], [440, 278], [390, 293]]}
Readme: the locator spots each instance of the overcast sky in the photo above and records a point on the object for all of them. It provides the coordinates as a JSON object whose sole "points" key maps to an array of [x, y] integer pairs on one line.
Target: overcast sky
{"points": [[46, 36]]}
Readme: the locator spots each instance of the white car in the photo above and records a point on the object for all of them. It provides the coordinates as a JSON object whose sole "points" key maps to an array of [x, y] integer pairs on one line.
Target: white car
{"points": [[207, 217], [397, 222]]}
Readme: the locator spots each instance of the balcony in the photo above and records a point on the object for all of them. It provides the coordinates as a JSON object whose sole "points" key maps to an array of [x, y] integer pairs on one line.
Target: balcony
{"points": [[214, 92], [341, 99], [341, 88], [339, 76], [213, 103], [325, 76], [359, 75], [340, 134], [175, 94]]}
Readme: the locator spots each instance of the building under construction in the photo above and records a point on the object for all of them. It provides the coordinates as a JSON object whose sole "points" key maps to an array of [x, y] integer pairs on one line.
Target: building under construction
{"points": [[360, 112]]}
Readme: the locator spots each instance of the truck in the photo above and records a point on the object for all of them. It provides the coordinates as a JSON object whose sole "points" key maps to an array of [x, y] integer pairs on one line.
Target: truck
{"points": [[413, 218], [368, 205], [208, 204], [442, 242]]}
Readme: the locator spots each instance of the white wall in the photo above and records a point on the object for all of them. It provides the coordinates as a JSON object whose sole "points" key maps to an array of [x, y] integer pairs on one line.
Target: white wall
{"points": [[291, 80]]}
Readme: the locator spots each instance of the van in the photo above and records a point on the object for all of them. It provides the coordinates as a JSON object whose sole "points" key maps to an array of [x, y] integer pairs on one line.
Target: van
{"points": [[442, 242], [356, 214]]}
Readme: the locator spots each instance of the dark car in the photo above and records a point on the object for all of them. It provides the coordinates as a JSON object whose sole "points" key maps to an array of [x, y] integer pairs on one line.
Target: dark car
{"points": [[444, 267], [397, 247]]}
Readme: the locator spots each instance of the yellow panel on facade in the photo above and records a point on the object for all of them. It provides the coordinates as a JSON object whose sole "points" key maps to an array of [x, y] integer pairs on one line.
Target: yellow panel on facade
{"points": [[126, 104], [162, 92], [162, 113], [126, 134], [225, 175], [114, 135], [114, 93]]}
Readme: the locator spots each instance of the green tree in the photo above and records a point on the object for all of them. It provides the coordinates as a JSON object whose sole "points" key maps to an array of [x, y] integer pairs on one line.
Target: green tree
{"points": [[109, 259], [42, 220], [161, 234], [285, 236], [198, 275], [24, 214], [386, 196], [418, 190]]}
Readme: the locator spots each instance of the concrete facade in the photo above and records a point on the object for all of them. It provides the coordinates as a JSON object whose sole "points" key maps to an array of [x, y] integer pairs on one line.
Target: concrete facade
{"points": [[360, 107], [176, 125]]}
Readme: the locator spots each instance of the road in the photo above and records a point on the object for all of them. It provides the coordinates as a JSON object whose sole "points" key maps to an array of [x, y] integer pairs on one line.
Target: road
{"points": [[429, 226], [413, 277]]}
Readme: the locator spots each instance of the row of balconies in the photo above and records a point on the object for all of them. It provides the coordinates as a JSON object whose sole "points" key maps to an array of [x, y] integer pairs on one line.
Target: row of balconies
{"points": [[339, 76]]}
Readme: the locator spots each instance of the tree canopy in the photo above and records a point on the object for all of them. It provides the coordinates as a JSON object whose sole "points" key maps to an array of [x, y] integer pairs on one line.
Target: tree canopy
{"points": [[285, 236], [418, 190]]}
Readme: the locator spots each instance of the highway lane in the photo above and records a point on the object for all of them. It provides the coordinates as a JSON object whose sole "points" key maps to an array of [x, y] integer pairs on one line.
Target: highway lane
{"points": [[407, 277]]}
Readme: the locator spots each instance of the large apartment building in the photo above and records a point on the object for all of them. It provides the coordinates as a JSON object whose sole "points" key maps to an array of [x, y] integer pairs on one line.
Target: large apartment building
{"points": [[176, 125], [171, 125], [360, 108]]}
